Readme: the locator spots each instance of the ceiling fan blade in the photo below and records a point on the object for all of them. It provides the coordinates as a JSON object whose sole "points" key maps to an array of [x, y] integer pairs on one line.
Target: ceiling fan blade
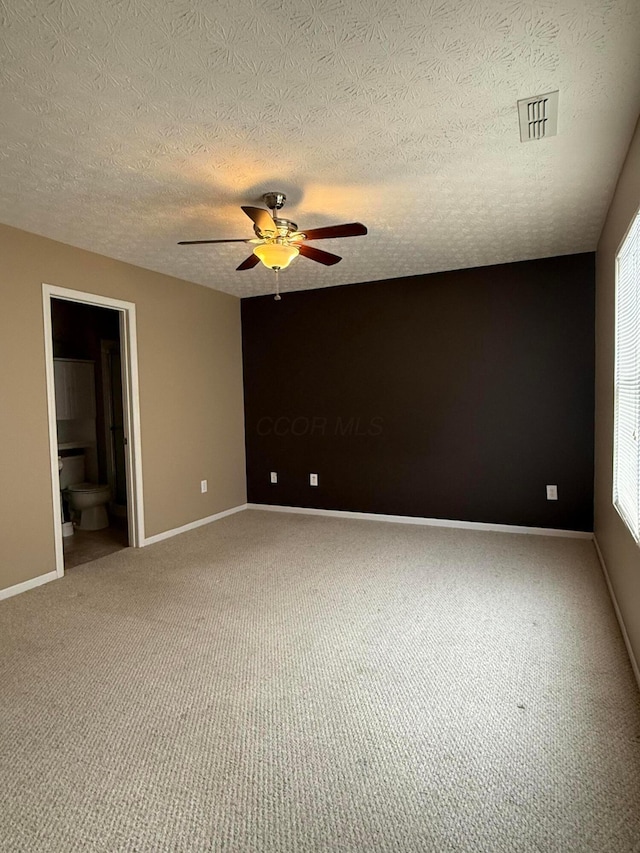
{"points": [[249, 263], [198, 242], [263, 220], [350, 229], [318, 255]]}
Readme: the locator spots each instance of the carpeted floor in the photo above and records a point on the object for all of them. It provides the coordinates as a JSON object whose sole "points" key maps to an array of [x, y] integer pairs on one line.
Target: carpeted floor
{"points": [[296, 683]]}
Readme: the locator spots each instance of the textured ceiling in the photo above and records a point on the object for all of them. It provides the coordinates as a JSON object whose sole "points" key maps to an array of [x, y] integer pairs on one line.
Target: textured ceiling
{"points": [[127, 125]]}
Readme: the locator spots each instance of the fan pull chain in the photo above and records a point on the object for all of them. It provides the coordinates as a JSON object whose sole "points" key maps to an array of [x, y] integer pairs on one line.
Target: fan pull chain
{"points": [[277, 297]]}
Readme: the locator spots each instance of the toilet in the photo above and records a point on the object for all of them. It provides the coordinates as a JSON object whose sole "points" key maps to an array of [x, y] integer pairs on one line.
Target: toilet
{"points": [[89, 500]]}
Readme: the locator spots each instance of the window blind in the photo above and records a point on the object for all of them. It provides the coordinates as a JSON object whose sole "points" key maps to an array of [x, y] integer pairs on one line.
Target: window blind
{"points": [[626, 464]]}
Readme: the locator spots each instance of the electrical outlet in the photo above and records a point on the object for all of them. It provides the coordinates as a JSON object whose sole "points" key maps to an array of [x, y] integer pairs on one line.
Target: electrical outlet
{"points": [[313, 479], [552, 493], [274, 476], [203, 486]]}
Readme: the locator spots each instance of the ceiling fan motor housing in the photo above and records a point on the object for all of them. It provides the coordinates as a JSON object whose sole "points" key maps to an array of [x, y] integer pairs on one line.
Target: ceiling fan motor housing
{"points": [[285, 229]]}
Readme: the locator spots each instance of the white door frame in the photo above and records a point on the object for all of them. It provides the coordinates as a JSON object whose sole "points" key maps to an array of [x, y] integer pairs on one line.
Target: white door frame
{"points": [[131, 405]]}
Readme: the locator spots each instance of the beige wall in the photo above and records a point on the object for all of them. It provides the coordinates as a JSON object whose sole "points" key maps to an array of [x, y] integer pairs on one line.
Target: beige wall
{"points": [[620, 552], [191, 403]]}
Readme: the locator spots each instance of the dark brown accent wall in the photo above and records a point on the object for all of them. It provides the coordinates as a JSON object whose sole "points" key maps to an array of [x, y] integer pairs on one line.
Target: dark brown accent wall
{"points": [[457, 395]]}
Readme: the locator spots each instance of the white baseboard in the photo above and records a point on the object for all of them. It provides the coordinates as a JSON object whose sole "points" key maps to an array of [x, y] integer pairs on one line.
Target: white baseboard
{"points": [[430, 522], [363, 516], [25, 585], [623, 627], [167, 534]]}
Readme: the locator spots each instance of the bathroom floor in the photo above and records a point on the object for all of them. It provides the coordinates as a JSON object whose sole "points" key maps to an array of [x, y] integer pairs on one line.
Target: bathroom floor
{"points": [[87, 545]]}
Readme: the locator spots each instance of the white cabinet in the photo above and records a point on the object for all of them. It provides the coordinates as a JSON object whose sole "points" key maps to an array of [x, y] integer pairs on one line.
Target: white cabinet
{"points": [[75, 389]]}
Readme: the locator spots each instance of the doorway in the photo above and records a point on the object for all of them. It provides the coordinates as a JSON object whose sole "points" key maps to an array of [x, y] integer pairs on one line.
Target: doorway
{"points": [[91, 359]]}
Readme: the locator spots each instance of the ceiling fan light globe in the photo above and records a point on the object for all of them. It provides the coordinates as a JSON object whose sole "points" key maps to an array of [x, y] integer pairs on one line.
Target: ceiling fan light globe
{"points": [[276, 255]]}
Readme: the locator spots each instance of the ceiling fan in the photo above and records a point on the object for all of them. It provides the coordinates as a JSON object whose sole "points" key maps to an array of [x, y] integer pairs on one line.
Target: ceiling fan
{"points": [[279, 241]]}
